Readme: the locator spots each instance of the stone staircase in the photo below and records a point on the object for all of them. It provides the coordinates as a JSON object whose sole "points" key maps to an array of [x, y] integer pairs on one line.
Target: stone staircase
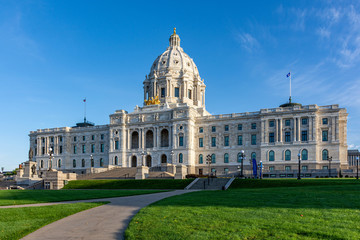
{"points": [[163, 175], [116, 173], [210, 184]]}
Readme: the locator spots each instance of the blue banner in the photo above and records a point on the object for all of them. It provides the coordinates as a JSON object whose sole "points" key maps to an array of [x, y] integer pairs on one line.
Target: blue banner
{"points": [[254, 168]]}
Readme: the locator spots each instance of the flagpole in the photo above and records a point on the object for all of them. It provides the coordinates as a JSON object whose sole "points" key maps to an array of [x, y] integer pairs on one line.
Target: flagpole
{"points": [[290, 88], [84, 110]]}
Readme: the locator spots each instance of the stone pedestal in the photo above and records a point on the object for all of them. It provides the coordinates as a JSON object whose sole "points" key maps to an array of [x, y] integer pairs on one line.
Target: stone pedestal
{"points": [[29, 169], [142, 172], [181, 171], [54, 179]]}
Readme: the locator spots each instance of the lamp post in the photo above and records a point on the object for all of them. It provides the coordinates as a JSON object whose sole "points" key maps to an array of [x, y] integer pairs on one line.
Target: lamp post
{"points": [[260, 169], [208, 161], [50, 158], [242, 158], [299, 157], [357, 167], [329, 159], [91, 161]]}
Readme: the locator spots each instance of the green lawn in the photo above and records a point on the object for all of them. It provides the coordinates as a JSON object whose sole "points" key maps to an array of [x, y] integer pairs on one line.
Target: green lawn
{"points": [[129, 184], [303, 212], [15, 223], [16, 197]]}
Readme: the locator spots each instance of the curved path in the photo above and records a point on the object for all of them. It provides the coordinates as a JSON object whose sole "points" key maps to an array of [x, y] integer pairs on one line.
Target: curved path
{"points": [[105, 222]]}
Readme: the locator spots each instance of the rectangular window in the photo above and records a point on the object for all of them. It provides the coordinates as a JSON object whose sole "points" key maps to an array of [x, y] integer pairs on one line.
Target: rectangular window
{"points": [[325, 121], [325, 167], [287, 168], [74, 149], [253, 126], [287, 122], [83, 148], [83, 138], [325, 135], [213, 141], [271, 123], [74, 139], [102, 147], [226, 141], [93, 137], [304, 168], [35, 141], [271, 168], [35, 151], [189, 93], [102, 136], [60, 149], [162, 92], [271, 137], [42, 150], [287, 137], [177, 92], [201, 142], [60, 138], [304, 121], [240, 142], [213, 129], [239, 127], [116, 145], [43, 140], [304, 136], [201, 130], [226, 128], [52, 139], [253, 139], [92, 148], [181, 141]]}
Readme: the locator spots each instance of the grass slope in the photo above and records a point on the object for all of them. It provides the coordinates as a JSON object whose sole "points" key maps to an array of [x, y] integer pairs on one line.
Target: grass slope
{"points": [[304, 212], [16, 197], [15, 223], [129, 184]]}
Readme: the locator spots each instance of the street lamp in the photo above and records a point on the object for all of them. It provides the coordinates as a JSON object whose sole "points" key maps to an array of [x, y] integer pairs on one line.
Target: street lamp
{"points": [[260, 169], [242, 158], [357, 167], [329, 159], [50, 158], [91, 161], [299, 157], [208, 161]]}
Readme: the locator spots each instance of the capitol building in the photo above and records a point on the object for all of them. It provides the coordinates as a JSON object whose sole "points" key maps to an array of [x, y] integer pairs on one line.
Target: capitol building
{"points": [[174, 128]]}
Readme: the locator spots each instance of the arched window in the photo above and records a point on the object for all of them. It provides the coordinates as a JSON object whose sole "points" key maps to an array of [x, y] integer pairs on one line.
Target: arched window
{"points": [[42, 163], [135, 140], [74, 163], [59, 163], [201, 161], [271, 156], [287, 155], [149, 138], [116, 160], [101, 162], [92, 162], [304, 154], [226, 158], [83, 163], [133, 161], [213, 158], [253, 156], [325, 154], [164, 139], [180, 158], [163, 158]]}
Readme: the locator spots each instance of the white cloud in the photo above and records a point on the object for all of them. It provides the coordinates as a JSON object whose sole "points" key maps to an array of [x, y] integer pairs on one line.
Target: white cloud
{"points": [[247, 41]]}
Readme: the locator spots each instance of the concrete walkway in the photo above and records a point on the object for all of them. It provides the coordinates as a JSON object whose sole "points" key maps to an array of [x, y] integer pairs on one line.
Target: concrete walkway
{"points": [[105, 222]]}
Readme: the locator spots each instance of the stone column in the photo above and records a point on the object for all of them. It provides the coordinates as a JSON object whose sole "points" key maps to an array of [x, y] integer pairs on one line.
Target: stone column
{"points": [[333, 124], [298, 129], [262, 132], [280, 131], [310, 128], [266, 131], [294, 130]]}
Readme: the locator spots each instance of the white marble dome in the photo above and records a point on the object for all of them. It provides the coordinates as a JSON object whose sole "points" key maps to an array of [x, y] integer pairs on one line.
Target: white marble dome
{"points": [[174, 61]]}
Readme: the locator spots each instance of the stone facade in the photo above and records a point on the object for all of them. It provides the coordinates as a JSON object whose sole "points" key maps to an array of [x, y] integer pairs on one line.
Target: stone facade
{"points": [[179, 131]]}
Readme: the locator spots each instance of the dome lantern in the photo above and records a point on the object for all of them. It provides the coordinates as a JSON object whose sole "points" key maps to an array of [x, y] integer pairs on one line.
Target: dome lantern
{"points": [[174, 39]]}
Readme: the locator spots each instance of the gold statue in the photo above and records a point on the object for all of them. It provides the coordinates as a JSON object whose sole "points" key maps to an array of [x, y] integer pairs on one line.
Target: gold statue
{"points": [[152, 101], [174, 30]]}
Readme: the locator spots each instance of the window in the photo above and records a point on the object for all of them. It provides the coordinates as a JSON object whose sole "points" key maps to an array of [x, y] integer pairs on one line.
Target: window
{"points": [[287, 168], [177, 92], [271, 137], [74, 163], [35, 151], [102, 136], [226, 158], [93, 137], [239, 158], [74, 139], [83, 163], [92, 162], [253, 139], [325, 121], [304, 168], [287, 155], [287, 122], [226, 128], [101, 162], [253, 126], [52, 139], [60, 138], [240, 140], [239, 127], [213, 141], [83, 148], [43, 150], [102, 147], [59, 163], [164, 138], [92, 148], [162, 92], [201, 142], [74, 149], [253, 156], [60, 149], [325, 135], [43, 140], [116, 144], [226, 141], [325, 154], [181, 141], [83, 138], [287, 137], [213, 129], [325, 167], [271, 123], [213, 158], [180, 158], [42, 163], [271, 155], [226, 170], [189, 93], [304, 154], [304, 121], [201, 161], [304, 136], [271, 168], [35, 141], [201, 130]]}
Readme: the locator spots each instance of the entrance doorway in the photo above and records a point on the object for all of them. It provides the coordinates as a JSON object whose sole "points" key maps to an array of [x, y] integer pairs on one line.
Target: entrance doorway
{"points": [[163, 158], [201, 171], [133, 161], [148, 161]]}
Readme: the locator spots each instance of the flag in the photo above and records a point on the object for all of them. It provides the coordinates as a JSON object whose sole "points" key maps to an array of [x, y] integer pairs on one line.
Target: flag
{"points": [[84, 100], [288, 75]]}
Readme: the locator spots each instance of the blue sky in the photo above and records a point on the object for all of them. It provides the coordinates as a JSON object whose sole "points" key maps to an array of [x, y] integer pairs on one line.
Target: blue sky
{"points": [[55, 53]]}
